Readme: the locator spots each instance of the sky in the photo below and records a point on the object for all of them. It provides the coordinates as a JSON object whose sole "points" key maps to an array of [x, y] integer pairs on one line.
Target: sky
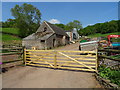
{"points": [[88, 13]]}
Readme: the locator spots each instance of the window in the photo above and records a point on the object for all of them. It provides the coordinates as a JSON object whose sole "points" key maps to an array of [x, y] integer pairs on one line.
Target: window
{"points": [[42, 40], [45, 29]]}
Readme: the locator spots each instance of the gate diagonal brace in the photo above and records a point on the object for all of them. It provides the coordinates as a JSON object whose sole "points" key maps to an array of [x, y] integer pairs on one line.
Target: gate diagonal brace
{"points": [[43, 60], [75, 60]]}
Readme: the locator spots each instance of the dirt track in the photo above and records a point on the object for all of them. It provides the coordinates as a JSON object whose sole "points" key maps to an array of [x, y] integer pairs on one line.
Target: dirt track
{"points": [[34, 77]]}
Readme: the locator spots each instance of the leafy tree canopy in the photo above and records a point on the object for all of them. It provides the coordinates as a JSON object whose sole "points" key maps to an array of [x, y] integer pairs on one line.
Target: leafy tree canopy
{"points": [[103, 28], [27, 18], [61, 26], [74, 24]]}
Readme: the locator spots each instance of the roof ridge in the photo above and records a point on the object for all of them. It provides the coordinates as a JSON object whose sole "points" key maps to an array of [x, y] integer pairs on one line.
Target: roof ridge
{"points": [[57, 29]]}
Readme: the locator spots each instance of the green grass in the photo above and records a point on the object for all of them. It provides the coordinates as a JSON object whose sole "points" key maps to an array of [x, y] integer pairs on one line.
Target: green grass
{"points": [[115, 56], [9, 37], [103, 35], [110, 74], [10, 30]]}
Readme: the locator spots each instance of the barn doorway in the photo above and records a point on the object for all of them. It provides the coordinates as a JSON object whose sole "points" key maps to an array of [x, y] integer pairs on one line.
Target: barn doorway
{"points": [[53, 42]]}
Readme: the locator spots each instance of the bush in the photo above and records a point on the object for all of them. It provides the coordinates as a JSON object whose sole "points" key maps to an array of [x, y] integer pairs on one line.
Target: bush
{"points": [[108, 73]]}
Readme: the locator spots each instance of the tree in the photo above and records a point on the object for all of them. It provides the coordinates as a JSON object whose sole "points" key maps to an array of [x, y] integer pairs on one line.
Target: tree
{"points": [[10, 23], [103, 28], [75, 24], [27, 18], [61, 26]]}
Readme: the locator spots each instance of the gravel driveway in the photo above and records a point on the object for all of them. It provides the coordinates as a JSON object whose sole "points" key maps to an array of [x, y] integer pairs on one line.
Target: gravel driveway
{"points": [[35, 77]]}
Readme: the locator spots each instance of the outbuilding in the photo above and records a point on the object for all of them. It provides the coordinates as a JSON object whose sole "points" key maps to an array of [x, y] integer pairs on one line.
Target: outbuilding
{"points": [[46, 37]]}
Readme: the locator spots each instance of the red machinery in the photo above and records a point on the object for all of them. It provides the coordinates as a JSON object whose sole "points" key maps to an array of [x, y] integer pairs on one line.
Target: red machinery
{"points": [[111, 36]]}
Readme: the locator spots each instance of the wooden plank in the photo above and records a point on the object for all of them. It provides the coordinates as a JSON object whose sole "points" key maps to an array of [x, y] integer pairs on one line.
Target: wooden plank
{"points": [[59, 55], [41, 62], [39, 65], [45, 62], [39, 53], [76, 51], [55, 59], [63, 58], [40, 50], [61, 51], [19, 48], [39, 59], [83, 55], [69, 61], [57, 65], [38, 56], [24, 57], [72, 62], [79, 55], [63, 67], [73, 65], [77, 69], [85, 59], [1, 54]]}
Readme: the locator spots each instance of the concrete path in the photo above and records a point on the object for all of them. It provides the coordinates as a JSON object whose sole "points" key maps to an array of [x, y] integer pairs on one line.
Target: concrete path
{"points": [[34, 77]]}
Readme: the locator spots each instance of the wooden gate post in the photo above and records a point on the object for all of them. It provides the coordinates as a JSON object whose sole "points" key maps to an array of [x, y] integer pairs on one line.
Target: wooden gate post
{"points": [[55, 59], [24, 58], [96, 60]]}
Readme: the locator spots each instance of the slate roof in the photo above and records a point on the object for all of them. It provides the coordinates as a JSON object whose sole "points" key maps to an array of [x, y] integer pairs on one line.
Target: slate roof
{"points": [[34, 37], [57, 29]]}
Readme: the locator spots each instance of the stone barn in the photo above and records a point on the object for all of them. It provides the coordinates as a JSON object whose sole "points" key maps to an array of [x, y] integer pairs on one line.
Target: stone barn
{"points": [[46, 37]]}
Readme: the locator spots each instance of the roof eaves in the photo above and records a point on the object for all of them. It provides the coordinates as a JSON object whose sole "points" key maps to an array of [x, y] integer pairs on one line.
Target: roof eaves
{"points": [[49, 26]]}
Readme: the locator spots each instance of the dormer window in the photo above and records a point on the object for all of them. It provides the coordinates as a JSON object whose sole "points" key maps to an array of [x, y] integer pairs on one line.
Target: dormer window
{"points": [[45, 29]]}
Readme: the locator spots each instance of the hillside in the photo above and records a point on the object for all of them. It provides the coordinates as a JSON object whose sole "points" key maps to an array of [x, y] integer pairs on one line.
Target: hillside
{"points": [[10, 30], [102, 35], [10, 35], [101, 28]]}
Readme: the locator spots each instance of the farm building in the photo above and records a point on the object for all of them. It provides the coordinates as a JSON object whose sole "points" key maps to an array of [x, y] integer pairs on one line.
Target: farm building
{"points": [[47, 36], [73, 34]]}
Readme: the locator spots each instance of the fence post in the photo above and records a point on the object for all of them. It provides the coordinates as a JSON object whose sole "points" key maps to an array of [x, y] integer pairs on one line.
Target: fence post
{"points": [[24, 55], [97, 62], [55, 59]]}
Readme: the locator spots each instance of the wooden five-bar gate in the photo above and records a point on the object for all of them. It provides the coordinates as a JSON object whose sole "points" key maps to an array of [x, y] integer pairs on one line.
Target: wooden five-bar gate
{"points": [[72, 60]]}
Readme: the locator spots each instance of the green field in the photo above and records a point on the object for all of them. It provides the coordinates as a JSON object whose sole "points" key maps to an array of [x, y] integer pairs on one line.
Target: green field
{"points": [[103, 35], [10, 30], [6, 38], [9, 37]]}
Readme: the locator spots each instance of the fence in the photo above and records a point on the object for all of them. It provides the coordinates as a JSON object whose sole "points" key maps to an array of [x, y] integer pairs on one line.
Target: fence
{"points": [[109, 68], [11, 56], [73, 60], [11, 45]]}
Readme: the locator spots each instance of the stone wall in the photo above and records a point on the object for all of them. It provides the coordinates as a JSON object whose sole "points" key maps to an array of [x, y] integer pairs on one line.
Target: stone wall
{"points": [[33, 43]]}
